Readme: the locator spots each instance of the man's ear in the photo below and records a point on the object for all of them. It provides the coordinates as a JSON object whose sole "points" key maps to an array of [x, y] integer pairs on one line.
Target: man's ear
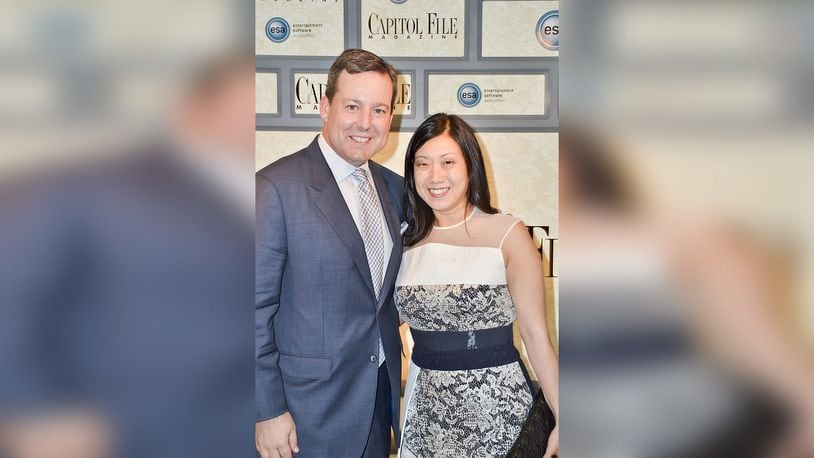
{"points": [[324, 108]]}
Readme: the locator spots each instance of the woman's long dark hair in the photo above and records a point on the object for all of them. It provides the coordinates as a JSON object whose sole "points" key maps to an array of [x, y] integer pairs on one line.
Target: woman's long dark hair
{"points": [[419, 214]]}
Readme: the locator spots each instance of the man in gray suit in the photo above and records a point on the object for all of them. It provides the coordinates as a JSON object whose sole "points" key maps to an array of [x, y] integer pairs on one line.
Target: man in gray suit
{"points": [[328, 247]]}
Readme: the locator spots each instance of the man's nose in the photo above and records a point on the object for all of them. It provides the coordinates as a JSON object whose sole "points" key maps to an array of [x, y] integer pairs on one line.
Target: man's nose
{"points": [[363, 120]]}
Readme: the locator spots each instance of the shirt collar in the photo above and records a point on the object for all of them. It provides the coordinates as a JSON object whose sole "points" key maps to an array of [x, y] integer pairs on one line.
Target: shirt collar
{"points": [[340, 168]]}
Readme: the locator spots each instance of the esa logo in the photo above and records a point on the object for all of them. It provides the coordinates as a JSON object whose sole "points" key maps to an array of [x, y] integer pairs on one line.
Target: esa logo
{"points": [[548, 30], [277, 29], [469, 94]]}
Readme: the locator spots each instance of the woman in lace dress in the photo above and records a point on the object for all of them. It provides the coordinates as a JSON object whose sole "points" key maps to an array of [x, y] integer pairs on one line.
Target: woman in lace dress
{"points": [[466, 274]]}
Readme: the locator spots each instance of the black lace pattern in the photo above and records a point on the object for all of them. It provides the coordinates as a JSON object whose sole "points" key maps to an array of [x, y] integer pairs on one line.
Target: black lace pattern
{"points": [[477, 412], [457, 307]]}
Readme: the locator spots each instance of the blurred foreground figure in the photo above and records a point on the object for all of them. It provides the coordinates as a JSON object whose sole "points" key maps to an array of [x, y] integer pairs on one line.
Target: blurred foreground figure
{"points": [[126, 292], [673, 342]]}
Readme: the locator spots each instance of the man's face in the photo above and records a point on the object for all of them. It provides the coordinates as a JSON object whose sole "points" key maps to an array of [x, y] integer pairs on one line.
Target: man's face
{"points": [[357, 122]]}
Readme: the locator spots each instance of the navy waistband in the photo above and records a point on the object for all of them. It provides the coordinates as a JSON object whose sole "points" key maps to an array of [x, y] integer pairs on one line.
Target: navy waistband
{"points": [[462, 350]]}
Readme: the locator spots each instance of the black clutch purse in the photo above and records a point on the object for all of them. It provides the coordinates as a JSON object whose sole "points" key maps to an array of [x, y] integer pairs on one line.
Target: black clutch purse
{"points": [[533, 437]]}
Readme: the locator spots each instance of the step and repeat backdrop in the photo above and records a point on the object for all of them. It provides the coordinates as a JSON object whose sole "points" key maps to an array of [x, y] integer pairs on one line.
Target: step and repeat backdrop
{"points": [[493, 62]]}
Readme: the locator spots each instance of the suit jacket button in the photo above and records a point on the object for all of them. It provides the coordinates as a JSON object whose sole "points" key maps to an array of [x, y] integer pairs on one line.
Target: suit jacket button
{"points": [[372, 358]]}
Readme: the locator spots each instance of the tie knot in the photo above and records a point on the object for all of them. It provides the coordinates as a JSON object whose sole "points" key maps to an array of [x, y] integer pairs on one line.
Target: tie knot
{"points": [[360, 174]]}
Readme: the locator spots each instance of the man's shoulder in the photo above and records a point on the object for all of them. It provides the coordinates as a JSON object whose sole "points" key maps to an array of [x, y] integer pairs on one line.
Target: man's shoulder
{"points": [[291, 166], [388, 175]]}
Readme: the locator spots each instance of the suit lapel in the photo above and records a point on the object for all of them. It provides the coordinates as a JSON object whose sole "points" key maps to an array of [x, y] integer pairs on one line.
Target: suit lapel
{"points": [[332, 205], [393, 225]]}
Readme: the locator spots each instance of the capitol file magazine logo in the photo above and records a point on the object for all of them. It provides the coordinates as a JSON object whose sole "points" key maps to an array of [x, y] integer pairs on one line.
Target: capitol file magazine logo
{"points": [[278, 30], [469, 95], [548, 30]]}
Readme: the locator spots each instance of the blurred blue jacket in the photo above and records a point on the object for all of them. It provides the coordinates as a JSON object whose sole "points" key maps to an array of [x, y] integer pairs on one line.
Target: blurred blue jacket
{"points": [[127, 285]]}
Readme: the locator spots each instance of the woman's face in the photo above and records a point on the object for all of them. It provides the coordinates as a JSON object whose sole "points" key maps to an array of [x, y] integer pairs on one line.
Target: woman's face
{"points": [[441, 178]]}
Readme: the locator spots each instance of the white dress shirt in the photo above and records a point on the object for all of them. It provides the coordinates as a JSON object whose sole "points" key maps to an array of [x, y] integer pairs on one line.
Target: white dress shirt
{"points": [[342, 171]]}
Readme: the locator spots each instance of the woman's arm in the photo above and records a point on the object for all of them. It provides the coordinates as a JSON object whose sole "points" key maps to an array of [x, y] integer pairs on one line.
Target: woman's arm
{"points": [[524, 275]]}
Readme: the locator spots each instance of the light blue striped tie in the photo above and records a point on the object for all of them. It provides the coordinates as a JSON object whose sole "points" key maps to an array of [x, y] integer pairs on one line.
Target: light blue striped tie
{"points": [[371, 229], [372, 236]]}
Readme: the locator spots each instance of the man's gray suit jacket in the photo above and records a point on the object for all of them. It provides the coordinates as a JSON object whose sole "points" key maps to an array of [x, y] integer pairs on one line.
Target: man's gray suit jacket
{"points": [[317, 320]]}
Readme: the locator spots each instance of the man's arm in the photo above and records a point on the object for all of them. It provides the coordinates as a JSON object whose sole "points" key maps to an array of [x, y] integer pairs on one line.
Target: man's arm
{"points": [[275, 430], [41, 264], [270, 258]]}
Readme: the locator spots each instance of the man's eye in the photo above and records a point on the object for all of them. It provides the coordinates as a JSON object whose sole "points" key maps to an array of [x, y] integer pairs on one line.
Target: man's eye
{"points": [[351, 107]]}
